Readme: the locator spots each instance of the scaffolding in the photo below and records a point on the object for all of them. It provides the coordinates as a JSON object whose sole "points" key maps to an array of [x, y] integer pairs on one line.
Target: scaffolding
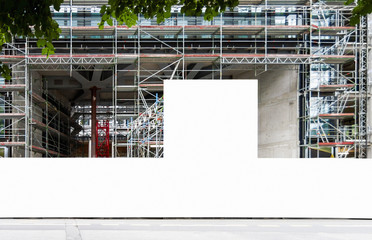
{"points": [[314, 36], [145, 135], [33, 120], [334, 95]]}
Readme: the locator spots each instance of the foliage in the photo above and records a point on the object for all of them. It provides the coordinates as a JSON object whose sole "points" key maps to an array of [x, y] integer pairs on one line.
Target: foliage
{"points": [[126, 11], [33, 18], [362, 8], [28, 18]]}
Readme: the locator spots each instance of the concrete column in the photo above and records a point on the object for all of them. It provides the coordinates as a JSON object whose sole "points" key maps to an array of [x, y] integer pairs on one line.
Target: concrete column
{"points": [[278, 125], [94, 120]]}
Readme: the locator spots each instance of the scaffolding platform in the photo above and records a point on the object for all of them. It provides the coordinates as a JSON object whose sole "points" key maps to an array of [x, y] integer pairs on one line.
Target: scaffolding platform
{"points": [[10, 59], [50, 152], [126, 116], [335, 87], [198, 30], [336, 143], [333, 31], [12, 87], [12, 144], [336, 115], [126, 88], [152, 87], [104, 59], [11, 115]]}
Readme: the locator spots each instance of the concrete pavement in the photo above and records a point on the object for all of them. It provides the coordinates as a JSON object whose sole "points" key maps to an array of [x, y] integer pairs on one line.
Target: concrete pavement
{"points": [[80, 229]]}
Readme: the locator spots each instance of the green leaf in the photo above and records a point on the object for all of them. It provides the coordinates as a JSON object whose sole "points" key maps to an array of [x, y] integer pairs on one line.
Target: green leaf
{"points": [[348, 2], [109, 21], [49, 45], [105, 17], [41, 43], [101, 25], [5, 72], [103, 9], [44, 51]]}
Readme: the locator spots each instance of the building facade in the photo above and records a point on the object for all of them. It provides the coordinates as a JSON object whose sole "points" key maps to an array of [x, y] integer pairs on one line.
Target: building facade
{"points": [[311, 66]]}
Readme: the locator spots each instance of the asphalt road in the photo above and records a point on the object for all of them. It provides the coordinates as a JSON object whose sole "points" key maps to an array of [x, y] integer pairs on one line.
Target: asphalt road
{"points": [[80, 229]]}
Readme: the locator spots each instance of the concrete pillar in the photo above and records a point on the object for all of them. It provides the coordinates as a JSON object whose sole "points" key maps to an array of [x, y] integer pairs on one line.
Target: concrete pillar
{"points": [[278, 127]]}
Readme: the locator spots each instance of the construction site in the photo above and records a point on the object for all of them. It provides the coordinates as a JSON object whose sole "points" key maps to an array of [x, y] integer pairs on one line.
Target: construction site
{"points": [[101, 93]]}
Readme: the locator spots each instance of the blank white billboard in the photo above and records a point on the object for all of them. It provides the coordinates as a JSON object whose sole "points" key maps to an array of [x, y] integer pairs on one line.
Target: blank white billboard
{"points": [[210, 119]]}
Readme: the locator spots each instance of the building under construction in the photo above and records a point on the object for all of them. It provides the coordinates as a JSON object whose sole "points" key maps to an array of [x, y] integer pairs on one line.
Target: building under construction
{"points": [[101, 93]]}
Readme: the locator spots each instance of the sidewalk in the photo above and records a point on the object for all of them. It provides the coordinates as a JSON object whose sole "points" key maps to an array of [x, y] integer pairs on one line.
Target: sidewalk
{"points": [[80, 229]]}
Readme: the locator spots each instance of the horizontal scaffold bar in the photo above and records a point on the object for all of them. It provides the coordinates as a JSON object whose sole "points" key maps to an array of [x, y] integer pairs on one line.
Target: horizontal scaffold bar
{"points": [[335, 143], [241, 2], [199, 30], [336, 115], [12, 87], [11, 115], [50, 152], [227, 58], [12, 144], [34, 148], [335, 87]]}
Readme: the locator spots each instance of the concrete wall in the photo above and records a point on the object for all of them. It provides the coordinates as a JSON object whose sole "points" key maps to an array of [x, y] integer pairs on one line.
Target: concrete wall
{"points": [[277, 113], [61, 98], [37, 112]]}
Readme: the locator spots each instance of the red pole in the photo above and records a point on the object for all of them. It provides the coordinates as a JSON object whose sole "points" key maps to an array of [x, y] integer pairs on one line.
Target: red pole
{"points": [[94, 120]]}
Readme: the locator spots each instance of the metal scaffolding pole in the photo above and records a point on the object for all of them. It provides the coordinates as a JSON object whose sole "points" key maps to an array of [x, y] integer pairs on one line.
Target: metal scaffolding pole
{"points": [[28, 147]]}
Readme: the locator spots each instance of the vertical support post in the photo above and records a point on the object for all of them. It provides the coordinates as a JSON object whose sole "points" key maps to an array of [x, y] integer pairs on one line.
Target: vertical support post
{"points": [[309, 105], [115, 102], [29, 134], [363, 87], [183, 47], [138, 62], [90, 149], [83, 155], [94, 120], [130, 138], [221, 46], [69, 137], [265, 35], [114, 106], [46, 119], [27, 106], [70, 38], [59, 129], [157, 127], [136, 134]]}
